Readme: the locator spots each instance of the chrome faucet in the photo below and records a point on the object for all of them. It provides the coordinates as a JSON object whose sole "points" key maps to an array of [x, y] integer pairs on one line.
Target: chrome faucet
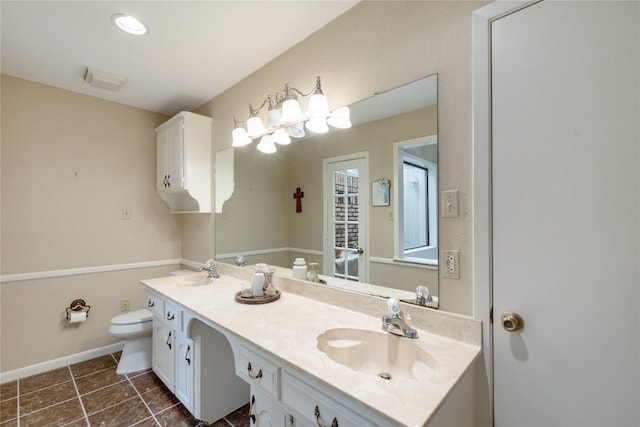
{"points": [[211, 268], [423, 297], [395, 323]]}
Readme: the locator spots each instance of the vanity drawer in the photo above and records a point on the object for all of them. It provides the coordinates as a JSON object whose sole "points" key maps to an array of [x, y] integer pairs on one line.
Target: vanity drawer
{"points": [[173, 315], [258, 372], [154, 303], [301, 399]]}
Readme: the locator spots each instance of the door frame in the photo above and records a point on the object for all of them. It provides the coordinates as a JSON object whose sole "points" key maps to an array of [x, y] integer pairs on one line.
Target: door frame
{"points": [[364, 155], [482, 20]]}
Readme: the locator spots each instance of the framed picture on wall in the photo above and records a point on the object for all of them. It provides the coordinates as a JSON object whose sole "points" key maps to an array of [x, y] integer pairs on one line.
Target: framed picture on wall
{"points": [[380, 192]]}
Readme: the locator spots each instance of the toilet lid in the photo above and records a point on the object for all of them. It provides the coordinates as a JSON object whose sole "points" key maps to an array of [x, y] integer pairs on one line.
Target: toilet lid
{"points": [[138, 316]]}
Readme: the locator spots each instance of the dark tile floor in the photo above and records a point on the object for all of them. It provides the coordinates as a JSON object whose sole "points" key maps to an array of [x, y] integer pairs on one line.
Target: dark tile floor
{"points": [[92, 394]]}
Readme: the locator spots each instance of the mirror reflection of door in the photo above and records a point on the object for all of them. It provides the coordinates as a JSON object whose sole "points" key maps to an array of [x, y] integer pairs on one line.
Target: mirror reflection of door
{"points": [[346, 206]]}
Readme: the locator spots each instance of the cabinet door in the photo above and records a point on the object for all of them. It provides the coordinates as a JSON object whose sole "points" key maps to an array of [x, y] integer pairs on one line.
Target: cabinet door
{"points": [[265, 412], [176, 154], [162, 156], [163, 351], [184, 370]]}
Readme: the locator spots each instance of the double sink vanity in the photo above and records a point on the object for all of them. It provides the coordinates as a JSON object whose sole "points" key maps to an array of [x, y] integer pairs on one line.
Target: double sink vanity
{"points": [[315, 357]]}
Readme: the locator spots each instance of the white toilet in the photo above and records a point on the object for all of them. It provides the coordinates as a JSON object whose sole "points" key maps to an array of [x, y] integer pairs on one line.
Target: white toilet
{"points": [[135, 327]]}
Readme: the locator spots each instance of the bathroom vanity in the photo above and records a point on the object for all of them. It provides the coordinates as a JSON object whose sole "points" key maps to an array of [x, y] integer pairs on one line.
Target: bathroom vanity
{"points": [[317, 356]]}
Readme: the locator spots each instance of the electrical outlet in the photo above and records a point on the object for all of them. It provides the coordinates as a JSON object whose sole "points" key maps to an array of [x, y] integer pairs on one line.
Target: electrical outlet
{"points": [[450, 265], [125, 304]]}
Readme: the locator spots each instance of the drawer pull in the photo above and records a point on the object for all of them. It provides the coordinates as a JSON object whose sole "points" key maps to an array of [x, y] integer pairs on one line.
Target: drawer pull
{"points": [[169, 340], [170, 316], [251, 415], [151, 303], [317, 414], [253, 377]]}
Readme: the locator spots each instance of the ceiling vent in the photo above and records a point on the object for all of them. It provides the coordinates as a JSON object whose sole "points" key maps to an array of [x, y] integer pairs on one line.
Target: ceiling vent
{"points": [[104, 79]]}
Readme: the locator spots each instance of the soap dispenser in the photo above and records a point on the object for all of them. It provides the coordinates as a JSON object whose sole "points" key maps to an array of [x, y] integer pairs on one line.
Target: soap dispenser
{"points": [[257, 284], [299, 270]]}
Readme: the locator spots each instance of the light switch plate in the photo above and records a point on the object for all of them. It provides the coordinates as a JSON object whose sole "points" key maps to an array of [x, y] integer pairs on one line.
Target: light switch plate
{"points": [[450, 204]]}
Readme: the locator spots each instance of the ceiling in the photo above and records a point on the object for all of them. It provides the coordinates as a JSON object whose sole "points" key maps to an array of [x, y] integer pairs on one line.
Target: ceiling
{"points": [[194, 50]]}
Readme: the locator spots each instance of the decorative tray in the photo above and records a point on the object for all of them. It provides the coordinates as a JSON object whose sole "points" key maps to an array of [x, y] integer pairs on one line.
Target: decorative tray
{"points": [[257, 300]]}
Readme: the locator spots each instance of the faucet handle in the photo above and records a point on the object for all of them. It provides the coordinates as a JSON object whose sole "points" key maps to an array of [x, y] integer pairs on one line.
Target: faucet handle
{"points": [[394, 307]]}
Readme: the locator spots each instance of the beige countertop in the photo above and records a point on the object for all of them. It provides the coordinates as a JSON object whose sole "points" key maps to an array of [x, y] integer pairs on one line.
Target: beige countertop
{"points": [[287, 329]]}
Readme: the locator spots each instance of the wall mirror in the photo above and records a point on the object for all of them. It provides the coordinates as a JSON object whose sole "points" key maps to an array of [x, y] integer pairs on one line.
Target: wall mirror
{"points": [[396, 133]]}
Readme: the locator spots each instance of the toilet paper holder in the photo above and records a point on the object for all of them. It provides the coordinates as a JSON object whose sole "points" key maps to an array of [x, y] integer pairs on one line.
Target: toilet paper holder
{"points": [[77, 305]]}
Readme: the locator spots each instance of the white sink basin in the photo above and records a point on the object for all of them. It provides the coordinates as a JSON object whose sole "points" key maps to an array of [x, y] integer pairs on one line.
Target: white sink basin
{"points": [[195, 279], [377, 353]]}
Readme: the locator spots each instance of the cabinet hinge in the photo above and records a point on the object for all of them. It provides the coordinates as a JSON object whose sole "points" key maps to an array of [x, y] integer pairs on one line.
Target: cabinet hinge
{"points": [[491, 315]]}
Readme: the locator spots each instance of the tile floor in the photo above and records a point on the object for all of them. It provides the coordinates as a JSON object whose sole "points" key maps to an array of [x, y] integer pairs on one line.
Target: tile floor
{"points": [[92, 394]]}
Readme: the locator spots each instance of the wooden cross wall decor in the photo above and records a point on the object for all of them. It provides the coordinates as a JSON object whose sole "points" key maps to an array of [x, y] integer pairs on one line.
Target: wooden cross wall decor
{"points": [[298, 195]]}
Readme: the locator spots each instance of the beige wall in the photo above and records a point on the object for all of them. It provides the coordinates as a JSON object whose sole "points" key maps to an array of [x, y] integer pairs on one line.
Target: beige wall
{"points": [[373, 47], [53, 218], [70, 163]]}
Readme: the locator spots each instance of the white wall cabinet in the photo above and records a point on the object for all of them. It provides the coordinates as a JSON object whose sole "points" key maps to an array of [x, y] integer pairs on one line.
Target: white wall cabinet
{"points": [[183, 178]]}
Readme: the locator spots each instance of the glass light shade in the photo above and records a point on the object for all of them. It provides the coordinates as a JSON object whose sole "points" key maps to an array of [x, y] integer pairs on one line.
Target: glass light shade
{"points": [[255, 127], [318, 106], [340, 118], [266, 145], [317, 125], [291, 112], [240, 137], [281, 137], [273, 118], [296, 131]]}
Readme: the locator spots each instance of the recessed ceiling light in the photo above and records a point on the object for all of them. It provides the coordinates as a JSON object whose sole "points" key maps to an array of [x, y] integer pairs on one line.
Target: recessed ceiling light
{"points": [[129, 24]]}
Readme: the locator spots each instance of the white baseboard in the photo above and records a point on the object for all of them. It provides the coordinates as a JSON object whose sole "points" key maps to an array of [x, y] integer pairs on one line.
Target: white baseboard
{"points": [[39, 368]]}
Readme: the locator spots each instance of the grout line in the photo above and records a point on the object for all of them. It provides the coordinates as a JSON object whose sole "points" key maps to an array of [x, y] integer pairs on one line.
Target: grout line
{"points": [[143, 401], [86, 417]]}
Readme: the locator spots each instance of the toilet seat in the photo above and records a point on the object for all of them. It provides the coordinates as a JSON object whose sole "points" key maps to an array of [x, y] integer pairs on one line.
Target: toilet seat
{"points": [[133, 317]]}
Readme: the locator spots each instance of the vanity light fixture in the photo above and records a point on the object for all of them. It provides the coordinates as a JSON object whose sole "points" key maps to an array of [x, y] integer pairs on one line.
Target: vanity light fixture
{"points": [[285, 119], [129, 24]]}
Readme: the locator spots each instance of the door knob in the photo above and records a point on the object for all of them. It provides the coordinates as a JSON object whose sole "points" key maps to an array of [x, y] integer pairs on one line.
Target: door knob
{"points": [[512, 322], [360, 250]]}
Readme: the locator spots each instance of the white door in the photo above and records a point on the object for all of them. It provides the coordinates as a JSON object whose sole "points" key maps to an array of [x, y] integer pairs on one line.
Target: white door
{"points": [[346, 217], [566, 236]]}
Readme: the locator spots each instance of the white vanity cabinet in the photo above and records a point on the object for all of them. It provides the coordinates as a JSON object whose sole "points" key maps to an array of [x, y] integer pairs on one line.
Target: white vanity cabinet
{"points": [[281, 396], [266, 412], [173, 352], [183, 177], [194, 361]]}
